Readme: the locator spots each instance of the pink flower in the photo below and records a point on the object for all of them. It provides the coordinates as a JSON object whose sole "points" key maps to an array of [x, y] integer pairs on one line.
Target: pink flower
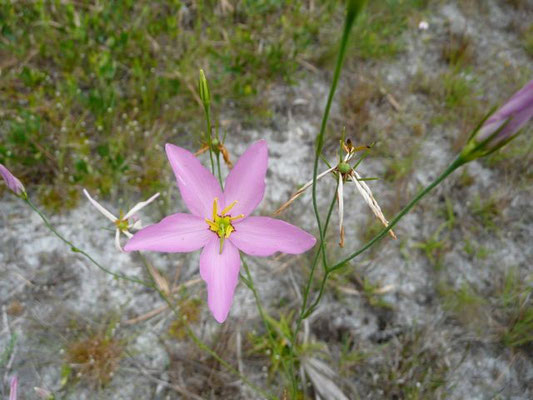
{"points": [[13, 388], [11, 181], [515, 114], [220, 222]]}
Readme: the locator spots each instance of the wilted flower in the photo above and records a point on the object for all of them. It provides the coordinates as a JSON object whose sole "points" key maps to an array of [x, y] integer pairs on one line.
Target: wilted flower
{"points": [[220, 222], [345, 172], [12, 182], [218, 147], [503, 125], [124, 223]]}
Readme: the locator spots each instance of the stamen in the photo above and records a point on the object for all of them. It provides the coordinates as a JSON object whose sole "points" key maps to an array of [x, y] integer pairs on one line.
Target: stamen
{"points": [[212, 225], [236, 217], [215, 207], [229, 229], [228, 208]]}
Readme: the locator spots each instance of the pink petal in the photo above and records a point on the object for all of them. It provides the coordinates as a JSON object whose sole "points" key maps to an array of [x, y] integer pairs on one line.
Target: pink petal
{"points": [[516, 112], [11, 181], [13, 388], [221, 273], [197, 185], [246, 181], [176, 233], [263, 236]]}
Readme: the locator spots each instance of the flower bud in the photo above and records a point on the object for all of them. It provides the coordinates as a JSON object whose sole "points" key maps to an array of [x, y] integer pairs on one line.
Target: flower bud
{"points": [[510, 118], [12, 182], [354, 7], [502, 126], [203, 89]]}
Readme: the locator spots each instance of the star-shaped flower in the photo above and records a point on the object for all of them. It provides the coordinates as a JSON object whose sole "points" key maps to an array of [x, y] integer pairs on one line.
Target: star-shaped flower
{"points": [[220, 223], [124, 223]]}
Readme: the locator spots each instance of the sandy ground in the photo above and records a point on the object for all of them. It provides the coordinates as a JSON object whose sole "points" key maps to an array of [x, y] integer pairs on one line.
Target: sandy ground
{"points": [[51, 297]]}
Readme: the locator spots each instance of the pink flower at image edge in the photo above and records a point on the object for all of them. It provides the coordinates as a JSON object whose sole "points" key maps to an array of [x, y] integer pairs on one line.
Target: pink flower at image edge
{"points": [[11, 181], [13, 388], [220, 222], [515, 113]]}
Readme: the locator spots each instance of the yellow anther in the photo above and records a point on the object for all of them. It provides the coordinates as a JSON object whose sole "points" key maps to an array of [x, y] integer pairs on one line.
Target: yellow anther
{"points": [[236, 217], [215, 208], [229, 229], [212, 225], [221, 223], [228, 208]]}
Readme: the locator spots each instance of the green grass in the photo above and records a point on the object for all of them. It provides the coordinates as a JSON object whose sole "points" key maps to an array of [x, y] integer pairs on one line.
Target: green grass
{"points": [[90, 93], [527, 38], [377, 35], [501, 314]]}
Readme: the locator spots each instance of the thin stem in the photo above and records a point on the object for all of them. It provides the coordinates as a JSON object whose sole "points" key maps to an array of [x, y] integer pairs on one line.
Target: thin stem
{"points": [[208, 137], [313, 306], [313, 266], [76, 249], [452, 167], [264, 317], [218, 171], [350, 17]]}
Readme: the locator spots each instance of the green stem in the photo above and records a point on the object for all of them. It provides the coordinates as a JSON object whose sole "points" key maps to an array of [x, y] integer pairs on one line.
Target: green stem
{"points": [[314, 264], [452, 167], [264, 317], [76, 249], [208, 137], [350, 17], [218, 171]]}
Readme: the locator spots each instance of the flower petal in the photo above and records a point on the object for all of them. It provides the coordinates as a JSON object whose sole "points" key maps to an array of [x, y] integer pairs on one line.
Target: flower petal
{"points": [[301, 190], [516, 112], [11, 181], [99, 207], [176, 233], [117, 241], [365, 191], [139, 206], [13, 388], [340, 199], [263, 236], [246, 181], [221, 273], [197, 185]]}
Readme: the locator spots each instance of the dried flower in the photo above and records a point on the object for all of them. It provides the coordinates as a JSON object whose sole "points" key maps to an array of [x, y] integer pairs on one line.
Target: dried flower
{"points": [[218, 147], [220, 222], [124, 223], [12, 182], [344, 172]]}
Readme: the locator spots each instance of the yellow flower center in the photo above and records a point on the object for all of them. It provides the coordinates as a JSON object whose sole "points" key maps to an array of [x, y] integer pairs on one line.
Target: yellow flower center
{"points": [[122, 223], [221, 223]]}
